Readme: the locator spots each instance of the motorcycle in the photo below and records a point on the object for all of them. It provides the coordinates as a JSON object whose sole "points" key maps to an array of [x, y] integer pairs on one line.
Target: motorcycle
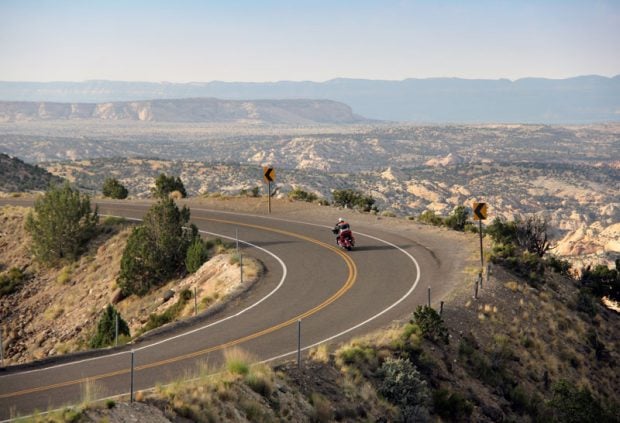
{"points": [[345, 240]]}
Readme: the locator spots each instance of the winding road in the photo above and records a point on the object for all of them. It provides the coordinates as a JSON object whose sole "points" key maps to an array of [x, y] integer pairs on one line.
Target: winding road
{"points": [[335, 294]]}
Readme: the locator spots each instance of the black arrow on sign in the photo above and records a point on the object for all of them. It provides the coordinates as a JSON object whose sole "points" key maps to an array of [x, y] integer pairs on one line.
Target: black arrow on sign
{"points": [[269, 174], [480, 211]]}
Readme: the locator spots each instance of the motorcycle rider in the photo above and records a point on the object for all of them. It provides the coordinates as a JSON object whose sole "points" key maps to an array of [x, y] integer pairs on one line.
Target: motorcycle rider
{"points": [[342, 229]]}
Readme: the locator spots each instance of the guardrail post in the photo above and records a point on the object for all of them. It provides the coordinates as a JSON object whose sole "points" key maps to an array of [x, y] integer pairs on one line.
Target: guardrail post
{"points": [[195, 302], [299, 343], [131, 386]]}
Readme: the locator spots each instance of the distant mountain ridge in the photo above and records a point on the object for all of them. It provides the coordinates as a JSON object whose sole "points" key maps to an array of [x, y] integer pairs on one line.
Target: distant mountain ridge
{"points": [[186, 110], [583, 99]]}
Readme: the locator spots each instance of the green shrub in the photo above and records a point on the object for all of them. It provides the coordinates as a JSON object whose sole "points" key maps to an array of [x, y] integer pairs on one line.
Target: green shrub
{"points": [[558, 265], [502, 232], [301, 195], [353, 199], [431, 324], [196, 255], [61, 225], [602, 281], [165, 185], [585, 303], [451, 405], [403, 386], [156, 249], [114, 189], [11, 281], [457, 219], [429, 217], [572, 404], [106, 328]]}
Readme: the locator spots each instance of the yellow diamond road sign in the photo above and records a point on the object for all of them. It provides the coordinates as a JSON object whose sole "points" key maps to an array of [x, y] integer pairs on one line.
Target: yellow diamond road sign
{"points": [[269, 174], [480, 211]]}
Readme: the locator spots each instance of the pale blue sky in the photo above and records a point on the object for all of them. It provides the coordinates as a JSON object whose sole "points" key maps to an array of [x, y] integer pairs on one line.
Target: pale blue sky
{"points": [[182, 40]]}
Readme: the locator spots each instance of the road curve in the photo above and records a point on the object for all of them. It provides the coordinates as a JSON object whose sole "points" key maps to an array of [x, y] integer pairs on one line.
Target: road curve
{"points": [[335, 294]]}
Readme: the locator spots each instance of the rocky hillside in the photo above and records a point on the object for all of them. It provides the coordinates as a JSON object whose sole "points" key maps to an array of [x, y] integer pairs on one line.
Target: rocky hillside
{"points": [[186, 110], [17, 176]]}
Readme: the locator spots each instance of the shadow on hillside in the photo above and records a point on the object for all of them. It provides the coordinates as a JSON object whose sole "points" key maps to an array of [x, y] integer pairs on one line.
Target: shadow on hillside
{"points": [[379, 247]]}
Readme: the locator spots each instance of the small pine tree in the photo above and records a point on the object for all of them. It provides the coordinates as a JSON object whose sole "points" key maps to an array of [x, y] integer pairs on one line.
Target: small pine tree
{"points": [[431, 324], [114, 189], [61, 225], [106, 329], [165, 185], [196, 255], [156, 249]]}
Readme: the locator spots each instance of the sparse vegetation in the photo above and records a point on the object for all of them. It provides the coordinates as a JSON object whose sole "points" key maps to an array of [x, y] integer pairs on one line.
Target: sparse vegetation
{"points": [[156, 320], [404, 386], [166, 185], [11, 281], [301, 195], [106, 328], [429, 217], [114, 189], [431, 324], [353, 199], [457, 219], [61, 225], [602, 281]]}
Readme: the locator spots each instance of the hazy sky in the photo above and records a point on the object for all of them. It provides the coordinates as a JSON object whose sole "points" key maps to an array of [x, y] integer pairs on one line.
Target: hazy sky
{"points": [[182, 41]]}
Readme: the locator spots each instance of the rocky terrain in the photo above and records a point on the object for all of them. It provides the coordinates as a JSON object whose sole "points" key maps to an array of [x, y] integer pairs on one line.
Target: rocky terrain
{"points": [[186, 110], [568, 173]]}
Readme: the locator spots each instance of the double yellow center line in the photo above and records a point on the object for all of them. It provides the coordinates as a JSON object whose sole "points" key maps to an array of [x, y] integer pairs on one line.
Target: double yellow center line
{"points": [[352, 276]]}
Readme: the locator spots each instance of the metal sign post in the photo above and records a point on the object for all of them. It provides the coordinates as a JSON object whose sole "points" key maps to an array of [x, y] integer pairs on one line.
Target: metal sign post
{"points": [[269, 175], [480, 214]]}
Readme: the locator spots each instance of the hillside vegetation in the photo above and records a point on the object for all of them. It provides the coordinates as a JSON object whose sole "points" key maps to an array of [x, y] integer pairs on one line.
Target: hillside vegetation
{"points": [[17, 176]]}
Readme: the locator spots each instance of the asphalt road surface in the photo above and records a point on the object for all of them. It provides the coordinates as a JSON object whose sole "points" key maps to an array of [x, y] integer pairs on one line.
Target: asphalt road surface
{"points": [[335, 294]]}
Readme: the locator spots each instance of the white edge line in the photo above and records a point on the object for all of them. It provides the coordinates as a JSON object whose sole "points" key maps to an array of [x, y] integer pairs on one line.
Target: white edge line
{"points": [[284, 271], [344, 332]]}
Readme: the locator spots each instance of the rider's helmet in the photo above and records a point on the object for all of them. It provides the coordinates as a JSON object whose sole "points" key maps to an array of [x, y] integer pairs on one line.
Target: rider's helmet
{"points": [[340, 220]]}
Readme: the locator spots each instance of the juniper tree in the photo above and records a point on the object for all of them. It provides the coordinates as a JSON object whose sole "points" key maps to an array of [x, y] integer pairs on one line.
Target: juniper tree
{"points": [[61, 225]]}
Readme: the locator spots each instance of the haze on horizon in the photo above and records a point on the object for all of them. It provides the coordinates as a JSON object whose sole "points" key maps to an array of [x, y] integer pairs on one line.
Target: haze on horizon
{"points": [[183, 41]]}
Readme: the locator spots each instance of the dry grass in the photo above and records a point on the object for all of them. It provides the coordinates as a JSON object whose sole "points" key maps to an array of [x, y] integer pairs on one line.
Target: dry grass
{"points": [[320, 353]]}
